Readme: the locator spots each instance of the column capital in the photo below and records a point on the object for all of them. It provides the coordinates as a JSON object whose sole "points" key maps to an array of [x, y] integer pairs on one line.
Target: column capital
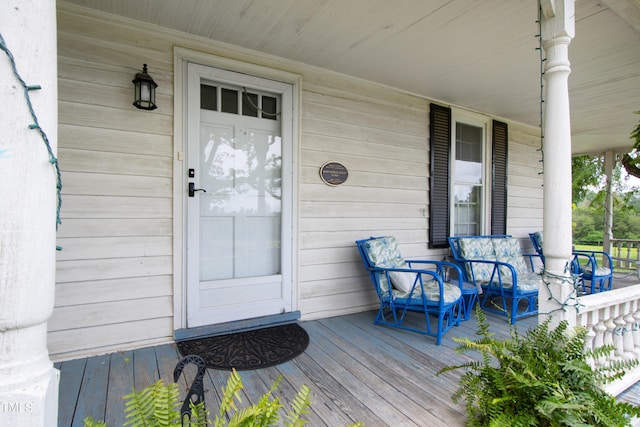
{"points": [[558, 19]]}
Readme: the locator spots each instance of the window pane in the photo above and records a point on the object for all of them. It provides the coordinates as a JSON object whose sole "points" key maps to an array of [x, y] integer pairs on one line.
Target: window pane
{"points": [[208, 98], [269, 107], [249, 104], [468, 174], [229, 101], [468, 212], [468, 167]]}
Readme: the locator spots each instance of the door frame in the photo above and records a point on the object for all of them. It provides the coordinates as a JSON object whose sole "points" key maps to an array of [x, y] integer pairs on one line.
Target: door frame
{"points": [[181, 57]]}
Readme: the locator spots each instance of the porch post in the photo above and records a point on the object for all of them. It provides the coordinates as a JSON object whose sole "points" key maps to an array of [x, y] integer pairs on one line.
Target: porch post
{"points": [[609, 162], [556, 298], [28, 381]]}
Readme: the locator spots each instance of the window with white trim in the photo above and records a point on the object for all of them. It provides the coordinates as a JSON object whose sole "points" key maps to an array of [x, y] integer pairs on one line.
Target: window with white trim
{"points": [[468, 176]]}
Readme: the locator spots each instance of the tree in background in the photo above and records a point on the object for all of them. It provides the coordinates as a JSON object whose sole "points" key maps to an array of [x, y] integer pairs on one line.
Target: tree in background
{"points": [[631, 161], [588, 191], [586, 173]]}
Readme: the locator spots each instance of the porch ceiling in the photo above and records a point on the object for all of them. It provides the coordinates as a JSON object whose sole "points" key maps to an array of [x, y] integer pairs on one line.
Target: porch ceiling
{"points": [[476, 54]]}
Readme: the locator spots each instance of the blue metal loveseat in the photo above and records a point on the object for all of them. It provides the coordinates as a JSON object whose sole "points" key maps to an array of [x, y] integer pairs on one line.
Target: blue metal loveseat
{"points": [[497, 267]]}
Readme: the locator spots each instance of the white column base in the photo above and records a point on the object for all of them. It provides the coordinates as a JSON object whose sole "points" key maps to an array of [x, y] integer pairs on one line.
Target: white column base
{"points": [[31, 404]]}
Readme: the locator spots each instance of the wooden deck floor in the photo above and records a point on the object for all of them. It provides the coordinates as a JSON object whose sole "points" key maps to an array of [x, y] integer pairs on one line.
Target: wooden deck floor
{"points": [[356, 371]]}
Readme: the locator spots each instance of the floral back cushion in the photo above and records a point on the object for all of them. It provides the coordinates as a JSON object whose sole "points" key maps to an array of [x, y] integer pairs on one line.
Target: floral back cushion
{"points": [[384, 253], [508, 250], [478, 249], [539, 237]]}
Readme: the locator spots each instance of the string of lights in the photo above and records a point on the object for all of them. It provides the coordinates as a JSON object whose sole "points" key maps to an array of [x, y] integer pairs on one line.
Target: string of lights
{"points": [[36, 125], [542, 61]]}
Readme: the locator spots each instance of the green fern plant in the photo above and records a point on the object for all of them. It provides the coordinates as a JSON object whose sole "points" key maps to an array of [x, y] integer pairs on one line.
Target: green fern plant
{"points": [[158, 405], [542, 378], [266, 412], [154, 405]]}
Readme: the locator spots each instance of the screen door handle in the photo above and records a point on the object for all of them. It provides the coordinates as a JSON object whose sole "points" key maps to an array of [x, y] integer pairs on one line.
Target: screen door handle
{"points": [[193, 189]]}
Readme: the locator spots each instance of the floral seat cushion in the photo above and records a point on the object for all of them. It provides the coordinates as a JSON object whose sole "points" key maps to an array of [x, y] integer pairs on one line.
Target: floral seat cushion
{"points": [[431, 290], [526, 282], [600, 271]]}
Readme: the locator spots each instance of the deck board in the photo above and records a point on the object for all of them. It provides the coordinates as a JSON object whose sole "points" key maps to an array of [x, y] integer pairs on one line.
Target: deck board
{"points": [[365, 381], [390, 362], [120, 384], [92, 399], [145, 368], [327, 414], [337, 395], [356, 372], [71, 376]]}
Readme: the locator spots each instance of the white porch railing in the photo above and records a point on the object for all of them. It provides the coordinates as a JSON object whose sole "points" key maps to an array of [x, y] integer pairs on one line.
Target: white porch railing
{"points": [[625, 254], [613, 318]]}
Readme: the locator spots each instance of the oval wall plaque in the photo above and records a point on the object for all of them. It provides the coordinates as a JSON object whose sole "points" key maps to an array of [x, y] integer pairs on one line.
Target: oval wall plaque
{"points": [[333, 173]]}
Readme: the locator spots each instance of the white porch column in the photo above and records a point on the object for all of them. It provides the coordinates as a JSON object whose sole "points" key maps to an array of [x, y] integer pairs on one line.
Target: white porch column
{"points": [[609, 162], [557, 32], [28, 381]]}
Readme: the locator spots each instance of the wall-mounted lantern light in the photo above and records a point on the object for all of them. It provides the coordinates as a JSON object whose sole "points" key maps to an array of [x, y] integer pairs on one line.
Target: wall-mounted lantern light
{"points": [[145, 91]]}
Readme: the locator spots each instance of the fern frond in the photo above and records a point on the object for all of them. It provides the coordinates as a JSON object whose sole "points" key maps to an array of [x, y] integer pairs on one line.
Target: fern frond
{"points": [[139, 407], [268, 407], [229, 392], [263, 413], [199, 415], [299, 406], [166, 399], [90, 422], [155, 405]]}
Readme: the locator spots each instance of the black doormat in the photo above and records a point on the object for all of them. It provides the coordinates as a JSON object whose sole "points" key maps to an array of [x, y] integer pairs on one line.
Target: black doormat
{"points": [[255, 349]]}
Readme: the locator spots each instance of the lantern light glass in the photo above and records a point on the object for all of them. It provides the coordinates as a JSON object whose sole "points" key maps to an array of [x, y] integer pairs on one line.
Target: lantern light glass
{"points": [[144, 90]]}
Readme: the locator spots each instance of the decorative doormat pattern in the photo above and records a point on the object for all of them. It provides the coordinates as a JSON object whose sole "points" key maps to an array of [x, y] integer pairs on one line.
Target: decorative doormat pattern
{"points": [[247, 350]]}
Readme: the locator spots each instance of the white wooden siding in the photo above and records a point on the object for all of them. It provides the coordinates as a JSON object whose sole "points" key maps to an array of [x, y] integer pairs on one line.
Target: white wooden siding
{"points": [[115, 274], [380, 135], [524, 205]]}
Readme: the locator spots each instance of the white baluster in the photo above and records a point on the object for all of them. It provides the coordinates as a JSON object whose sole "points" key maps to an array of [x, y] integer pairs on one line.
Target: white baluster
{"points": [[609, 333], [636, 329], [589, 338], [598, 341], [618, 335], [629, 347]]}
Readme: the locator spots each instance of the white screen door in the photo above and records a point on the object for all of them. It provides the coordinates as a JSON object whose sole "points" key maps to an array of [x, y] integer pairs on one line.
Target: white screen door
{"points": [[237, 196]]}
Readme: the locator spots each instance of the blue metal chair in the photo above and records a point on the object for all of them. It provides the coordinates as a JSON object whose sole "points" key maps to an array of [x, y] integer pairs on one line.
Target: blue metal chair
{"points": [[402, 289], [593, 277]]}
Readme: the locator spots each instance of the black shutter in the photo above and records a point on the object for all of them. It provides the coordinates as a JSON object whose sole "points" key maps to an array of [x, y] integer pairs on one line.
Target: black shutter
{"points": [[499, 184], [440, 142]]}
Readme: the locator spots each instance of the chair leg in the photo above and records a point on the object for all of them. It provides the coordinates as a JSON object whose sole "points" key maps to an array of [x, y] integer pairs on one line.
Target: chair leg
{"points": [[468, 301], [514, 309], [440, 326]]}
